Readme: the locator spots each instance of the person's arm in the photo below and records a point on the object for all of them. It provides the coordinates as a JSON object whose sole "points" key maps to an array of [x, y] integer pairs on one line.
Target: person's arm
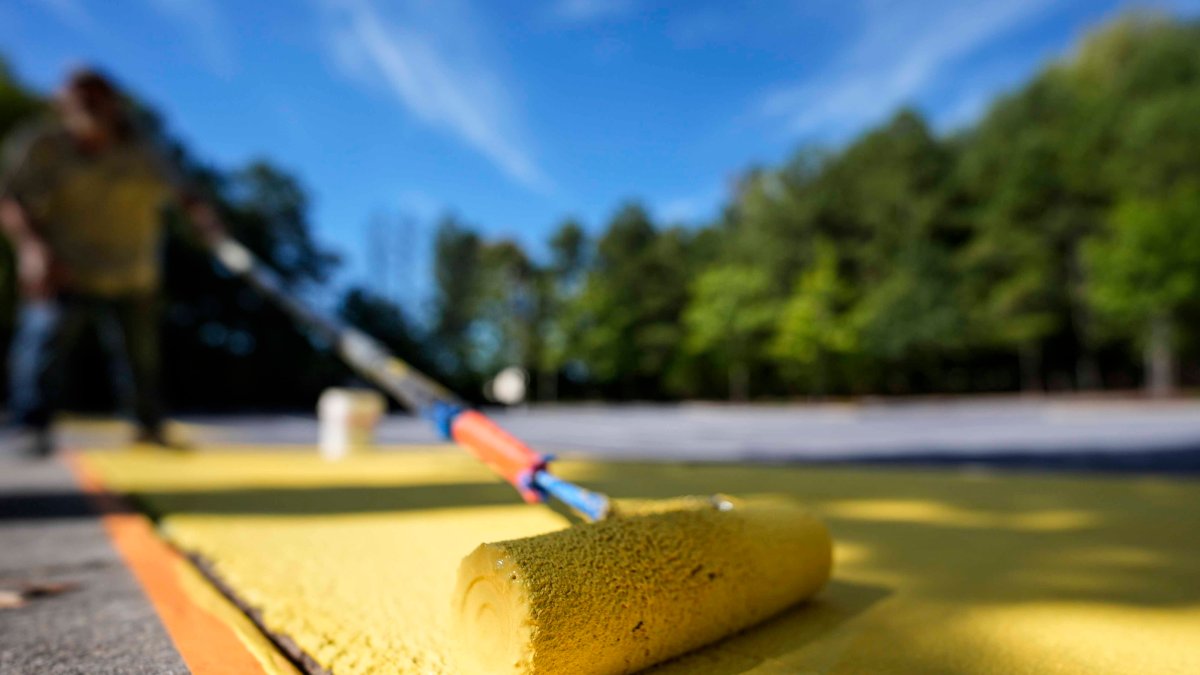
{"points": [[36, 267], [34, 258], [203, 217], [201, 214]]}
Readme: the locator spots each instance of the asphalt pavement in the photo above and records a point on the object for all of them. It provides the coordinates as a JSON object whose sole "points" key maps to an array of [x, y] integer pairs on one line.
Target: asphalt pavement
{"points": [[92, 616], [1017, 432], [102, 623]]}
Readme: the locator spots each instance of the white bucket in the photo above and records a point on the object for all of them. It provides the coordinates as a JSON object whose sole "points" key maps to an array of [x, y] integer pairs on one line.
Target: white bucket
{"points": [[346, 420]]}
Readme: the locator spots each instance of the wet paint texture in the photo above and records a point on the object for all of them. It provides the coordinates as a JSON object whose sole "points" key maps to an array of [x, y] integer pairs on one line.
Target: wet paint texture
{"points": [[650, 583], [936, 572]]}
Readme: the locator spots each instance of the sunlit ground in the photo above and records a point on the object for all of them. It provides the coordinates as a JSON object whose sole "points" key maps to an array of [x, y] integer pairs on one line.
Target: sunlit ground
{"points": [[937, 571]]}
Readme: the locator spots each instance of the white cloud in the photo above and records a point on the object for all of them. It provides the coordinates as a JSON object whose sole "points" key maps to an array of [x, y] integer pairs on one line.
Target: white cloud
{"points": [[680, 209], [587, 11], [900, 51], [692, 208], [975, 95], [205, 25], [428, 56]]}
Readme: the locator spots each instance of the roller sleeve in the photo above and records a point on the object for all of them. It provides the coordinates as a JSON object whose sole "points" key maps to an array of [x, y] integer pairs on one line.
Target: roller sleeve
{"points": [[655, 581]]}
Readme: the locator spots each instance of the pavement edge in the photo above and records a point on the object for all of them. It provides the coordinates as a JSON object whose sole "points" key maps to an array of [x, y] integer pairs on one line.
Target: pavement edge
{"points": [[211, 634]]}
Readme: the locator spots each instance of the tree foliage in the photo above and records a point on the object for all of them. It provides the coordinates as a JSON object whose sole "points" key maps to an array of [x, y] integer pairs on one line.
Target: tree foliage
{"points": [[1031, 250]]}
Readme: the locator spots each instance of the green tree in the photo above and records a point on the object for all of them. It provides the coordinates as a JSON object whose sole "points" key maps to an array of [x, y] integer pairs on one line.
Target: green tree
{"points": [[508, 322], [223, 345], [731, 313], [382, 319], [913, 312], [627, 313], [1028, 214], [568, 252], [885, 205], [1145, 74], [17, 102], [457, 283], [773, 220], [814, 327], [1146, 271], [559, 283]]}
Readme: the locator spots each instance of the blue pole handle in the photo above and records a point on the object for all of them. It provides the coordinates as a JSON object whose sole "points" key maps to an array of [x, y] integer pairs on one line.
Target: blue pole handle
{"points": [[592, 505]]}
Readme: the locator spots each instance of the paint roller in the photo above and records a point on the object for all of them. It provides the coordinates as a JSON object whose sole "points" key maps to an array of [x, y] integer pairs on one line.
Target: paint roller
{"points": [[639, 583], [650, 582]]}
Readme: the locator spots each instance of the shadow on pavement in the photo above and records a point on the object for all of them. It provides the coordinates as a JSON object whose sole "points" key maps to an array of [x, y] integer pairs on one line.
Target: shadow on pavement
{"points": [[53, 505], [341, 499], [1182, 460], [776, 641]]}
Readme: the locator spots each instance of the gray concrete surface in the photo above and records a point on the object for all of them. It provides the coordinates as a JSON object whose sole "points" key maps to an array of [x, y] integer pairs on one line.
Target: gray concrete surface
{"points": [[1104, 434], [48, 533], [107, 626]]}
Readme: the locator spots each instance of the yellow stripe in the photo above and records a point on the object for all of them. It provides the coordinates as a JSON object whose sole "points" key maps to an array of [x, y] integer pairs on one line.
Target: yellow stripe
{"points": [[211, 635]]}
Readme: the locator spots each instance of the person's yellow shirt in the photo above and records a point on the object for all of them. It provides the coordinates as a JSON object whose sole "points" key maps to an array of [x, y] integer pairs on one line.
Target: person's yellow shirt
{"points": [[100, 214]]}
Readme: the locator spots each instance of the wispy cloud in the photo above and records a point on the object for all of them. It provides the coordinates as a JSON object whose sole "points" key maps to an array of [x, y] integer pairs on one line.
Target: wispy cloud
{"points": [[427, 55], [974, 96], [206, 26], [681, 209], [900, 51], [691, 208], [588, 11]]}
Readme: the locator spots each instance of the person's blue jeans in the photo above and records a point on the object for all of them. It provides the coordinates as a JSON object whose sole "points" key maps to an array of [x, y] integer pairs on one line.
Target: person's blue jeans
{"points": [[49, 330]]}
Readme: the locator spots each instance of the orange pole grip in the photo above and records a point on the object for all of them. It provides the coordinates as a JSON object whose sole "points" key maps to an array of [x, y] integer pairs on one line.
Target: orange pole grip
{"points": [[508, 457]]}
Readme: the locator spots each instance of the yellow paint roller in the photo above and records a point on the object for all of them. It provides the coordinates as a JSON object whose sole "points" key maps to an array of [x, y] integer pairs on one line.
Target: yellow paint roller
{"points": [[648, 583], [638, 585]]}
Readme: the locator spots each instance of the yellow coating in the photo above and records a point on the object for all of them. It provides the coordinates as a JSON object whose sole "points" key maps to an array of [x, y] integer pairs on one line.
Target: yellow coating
{"points": [[937, 572], [206, 597], [645, 585]]}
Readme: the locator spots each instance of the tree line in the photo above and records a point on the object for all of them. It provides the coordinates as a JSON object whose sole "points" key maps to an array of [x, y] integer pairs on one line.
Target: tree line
{"points": [[1052, 245]]}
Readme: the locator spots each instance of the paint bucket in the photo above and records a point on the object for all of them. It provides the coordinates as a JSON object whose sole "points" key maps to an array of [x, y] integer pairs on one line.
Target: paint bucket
{"points": [[346, 420]]}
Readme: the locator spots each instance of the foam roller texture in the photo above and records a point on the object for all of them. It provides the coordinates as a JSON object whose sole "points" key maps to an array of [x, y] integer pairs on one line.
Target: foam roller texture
{"points": [[653, 581]]}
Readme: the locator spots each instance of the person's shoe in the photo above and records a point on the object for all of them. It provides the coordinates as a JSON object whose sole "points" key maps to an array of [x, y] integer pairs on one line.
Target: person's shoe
{"points": [[27, 443], [160, 440]]}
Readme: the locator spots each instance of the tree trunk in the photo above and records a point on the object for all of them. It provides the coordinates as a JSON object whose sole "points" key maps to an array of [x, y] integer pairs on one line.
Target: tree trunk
{"points": [[819, 376], [1159, 357], [1087, 373], [547, 385], [1030, 356], [739, 382]]}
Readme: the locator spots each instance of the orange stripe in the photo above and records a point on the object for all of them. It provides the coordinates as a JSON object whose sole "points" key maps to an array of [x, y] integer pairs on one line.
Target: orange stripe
{"points": [[206, 644]]}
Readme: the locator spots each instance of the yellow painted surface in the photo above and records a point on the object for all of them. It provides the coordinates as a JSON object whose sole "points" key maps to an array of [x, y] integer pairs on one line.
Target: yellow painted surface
{"points": [[208, 598], [649, 583], [935, 572]]}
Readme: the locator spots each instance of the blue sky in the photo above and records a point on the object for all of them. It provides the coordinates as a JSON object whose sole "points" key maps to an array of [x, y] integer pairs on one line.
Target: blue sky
{"points": [[516, 114]]}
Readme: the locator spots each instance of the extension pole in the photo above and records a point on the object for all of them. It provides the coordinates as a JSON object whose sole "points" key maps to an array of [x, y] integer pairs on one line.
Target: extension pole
{"points": [[510, 458]]}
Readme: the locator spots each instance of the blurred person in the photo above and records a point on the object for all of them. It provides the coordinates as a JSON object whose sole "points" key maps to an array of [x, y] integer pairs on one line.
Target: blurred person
{"points": [[81, 198]]}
